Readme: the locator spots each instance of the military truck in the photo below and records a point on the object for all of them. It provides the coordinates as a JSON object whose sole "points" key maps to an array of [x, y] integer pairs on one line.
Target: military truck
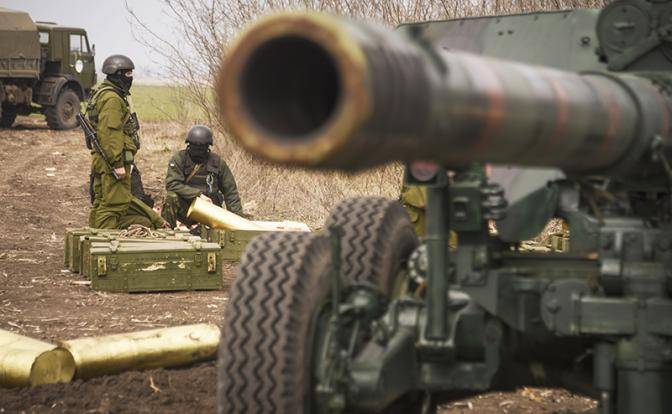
{"points": [[44, 68]]}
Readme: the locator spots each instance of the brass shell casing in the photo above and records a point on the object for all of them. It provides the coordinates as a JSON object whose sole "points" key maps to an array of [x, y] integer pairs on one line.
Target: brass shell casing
{"points": [[217, 217], [155, 348], [26, 361]]}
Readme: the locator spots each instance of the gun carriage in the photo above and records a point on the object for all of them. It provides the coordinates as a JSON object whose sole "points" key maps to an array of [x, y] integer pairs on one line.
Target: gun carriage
{"points": [[571, 108]]}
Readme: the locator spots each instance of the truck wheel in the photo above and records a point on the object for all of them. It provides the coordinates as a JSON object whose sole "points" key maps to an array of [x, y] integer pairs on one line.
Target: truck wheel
{"points": [[378, 238], [62, 115], [7, 116], [265, 351]]}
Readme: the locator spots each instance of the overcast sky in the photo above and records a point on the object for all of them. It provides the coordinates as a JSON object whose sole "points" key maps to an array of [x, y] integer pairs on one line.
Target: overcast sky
{"points": [[108, 25]]}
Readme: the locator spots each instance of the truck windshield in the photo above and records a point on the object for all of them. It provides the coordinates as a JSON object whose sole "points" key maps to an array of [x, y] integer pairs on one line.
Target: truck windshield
{"points": [[78, 43]]}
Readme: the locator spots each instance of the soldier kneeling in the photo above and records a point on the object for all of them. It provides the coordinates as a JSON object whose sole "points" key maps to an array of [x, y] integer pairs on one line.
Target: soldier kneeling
{"points": [[198, 172]]}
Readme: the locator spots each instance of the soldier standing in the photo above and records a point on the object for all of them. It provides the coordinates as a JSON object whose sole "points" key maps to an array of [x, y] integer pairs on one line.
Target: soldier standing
{"points": [[198, 172], [108, 111]]}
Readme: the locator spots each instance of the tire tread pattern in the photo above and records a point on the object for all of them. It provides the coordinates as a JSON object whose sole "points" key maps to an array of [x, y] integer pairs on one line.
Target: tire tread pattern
{"points": [[374, 229], [266, 324], [282, 280]]}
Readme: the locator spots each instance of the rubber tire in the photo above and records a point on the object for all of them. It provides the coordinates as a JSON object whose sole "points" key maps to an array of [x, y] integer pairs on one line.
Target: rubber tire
{"points": [[62, 115], [283, 279], [377, 240], [7, 117]]}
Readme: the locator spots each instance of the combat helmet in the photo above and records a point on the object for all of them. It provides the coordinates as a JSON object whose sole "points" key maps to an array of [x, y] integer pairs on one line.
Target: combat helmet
{"points": [[199, 135], [115, 63]]}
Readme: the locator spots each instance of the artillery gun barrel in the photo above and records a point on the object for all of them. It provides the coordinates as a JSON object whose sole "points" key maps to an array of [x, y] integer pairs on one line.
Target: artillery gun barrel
{"points": [[323, 92]]}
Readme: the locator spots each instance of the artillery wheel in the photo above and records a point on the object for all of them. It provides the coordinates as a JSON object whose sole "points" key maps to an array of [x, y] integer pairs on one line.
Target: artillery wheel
{"points": [[7, 116], [264, 355], [62, 115], [270, 328], [377, 240]]}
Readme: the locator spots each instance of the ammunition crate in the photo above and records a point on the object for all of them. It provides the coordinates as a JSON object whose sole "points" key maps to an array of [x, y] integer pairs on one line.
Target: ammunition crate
{"points": [[72, 246], [85, 245], [136, 265], [74, 238], [232, 242]]}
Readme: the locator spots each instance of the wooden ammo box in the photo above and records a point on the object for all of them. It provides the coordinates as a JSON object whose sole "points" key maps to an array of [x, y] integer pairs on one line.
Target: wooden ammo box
{"points": [[72, 250], [74, 242], [232, 242], [85, 245], [69, 238], [135, 265]]}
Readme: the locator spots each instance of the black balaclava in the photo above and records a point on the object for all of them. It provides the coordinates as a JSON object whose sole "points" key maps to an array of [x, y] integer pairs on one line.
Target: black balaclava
{"points": [[198, 153], [120, 79]]}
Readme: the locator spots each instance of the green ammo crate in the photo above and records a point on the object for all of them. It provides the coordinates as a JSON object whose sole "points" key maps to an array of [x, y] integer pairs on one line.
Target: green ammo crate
{"points": [[233, 242], [74, 237], [135, 265], [85, 244], [71, 250]]}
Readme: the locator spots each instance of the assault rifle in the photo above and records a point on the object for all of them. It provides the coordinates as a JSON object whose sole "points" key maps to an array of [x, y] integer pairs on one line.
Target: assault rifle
{"points": [[93, 143], [133, 125]]}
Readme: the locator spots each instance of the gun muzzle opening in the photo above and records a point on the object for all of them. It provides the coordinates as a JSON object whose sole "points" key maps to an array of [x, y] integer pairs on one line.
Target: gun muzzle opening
{"points": [[293, 88], [290, 87]]}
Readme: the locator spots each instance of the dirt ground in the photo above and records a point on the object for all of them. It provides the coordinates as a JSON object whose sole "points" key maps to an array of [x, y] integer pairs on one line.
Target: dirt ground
{"points": [[43, 191]]}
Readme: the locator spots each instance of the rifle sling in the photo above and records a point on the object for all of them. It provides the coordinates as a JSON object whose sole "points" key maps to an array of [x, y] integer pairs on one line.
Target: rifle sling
{"points": [[193, 173]]}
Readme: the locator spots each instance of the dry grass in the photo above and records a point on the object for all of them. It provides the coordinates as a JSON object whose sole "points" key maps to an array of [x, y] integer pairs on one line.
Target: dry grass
{"points": [[268, 191]]}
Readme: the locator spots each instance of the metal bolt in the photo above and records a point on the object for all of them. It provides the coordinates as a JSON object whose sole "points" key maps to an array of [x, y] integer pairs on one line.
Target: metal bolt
{"points": [[553, 305], [585, 40]]}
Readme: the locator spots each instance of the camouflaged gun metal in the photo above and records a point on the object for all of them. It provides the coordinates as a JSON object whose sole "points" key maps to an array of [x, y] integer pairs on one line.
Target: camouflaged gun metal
{"points": [[572, 110]]}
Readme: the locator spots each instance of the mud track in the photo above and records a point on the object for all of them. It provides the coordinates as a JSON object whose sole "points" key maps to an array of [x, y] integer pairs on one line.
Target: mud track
{"points": [[43, 191]]}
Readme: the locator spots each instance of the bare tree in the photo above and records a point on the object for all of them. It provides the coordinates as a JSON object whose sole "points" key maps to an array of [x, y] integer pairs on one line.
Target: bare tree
{"points": [[207, 26]]}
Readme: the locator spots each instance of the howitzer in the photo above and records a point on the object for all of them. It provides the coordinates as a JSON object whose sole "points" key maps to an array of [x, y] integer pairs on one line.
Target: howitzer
{"points": [[583, 115], [92, 142]]}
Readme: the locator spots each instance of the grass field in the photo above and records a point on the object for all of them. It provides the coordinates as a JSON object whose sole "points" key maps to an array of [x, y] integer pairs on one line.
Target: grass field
{"points": [[163, 102]]}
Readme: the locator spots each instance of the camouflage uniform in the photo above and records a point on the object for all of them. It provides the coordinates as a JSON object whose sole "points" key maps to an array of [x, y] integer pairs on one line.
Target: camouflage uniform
{"points": [[186, 180], [114, 206], [414, 200]]}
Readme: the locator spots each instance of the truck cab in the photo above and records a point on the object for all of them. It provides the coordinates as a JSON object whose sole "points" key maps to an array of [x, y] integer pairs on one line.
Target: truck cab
{"points": [[67, 51]]}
